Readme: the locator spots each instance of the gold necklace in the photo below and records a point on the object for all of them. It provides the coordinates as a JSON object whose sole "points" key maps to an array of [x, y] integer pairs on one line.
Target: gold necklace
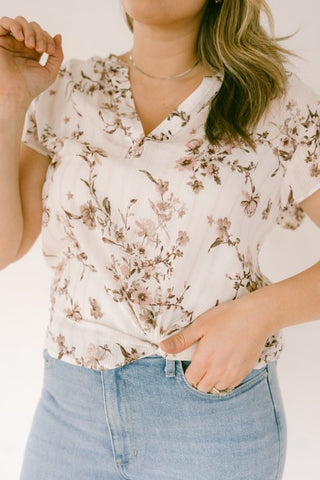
{"points": [[178, 75]]}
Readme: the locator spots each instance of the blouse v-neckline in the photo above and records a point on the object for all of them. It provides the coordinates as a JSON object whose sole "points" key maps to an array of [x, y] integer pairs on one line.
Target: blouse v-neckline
{"points": [[176, 119]]}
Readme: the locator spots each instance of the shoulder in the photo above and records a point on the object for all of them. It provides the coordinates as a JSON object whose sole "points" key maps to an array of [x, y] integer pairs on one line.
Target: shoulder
{"points": [[296, 110], [299, 99], [93, 68], [82, 77]]}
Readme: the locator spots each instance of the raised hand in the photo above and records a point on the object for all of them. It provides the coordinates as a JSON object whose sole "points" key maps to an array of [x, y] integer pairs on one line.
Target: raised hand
{"points": [[22, 44]]}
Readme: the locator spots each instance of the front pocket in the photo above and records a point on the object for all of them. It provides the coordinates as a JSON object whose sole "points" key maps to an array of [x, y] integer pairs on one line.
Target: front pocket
{"points": [[252, 379]]}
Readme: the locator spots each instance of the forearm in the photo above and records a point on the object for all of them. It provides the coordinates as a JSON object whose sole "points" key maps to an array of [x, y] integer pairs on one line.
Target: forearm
{"points": [[289, 302], [11, 218]]}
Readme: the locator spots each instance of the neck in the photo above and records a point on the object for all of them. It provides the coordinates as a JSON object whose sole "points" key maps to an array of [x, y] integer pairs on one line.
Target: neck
{"points": [[165, 51]]}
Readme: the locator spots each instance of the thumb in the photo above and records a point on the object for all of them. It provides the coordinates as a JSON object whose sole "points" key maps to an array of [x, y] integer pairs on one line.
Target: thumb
{"points": [[54, 60], [182, 340]]}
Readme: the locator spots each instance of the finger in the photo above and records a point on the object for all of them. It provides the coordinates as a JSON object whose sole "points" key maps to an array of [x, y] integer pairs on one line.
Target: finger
{"points": [[195, 372], [183, 339], [55, 59], [28, 32], [42, 39], [9, 25], [51, 46], [212, 378], [204, 386]]}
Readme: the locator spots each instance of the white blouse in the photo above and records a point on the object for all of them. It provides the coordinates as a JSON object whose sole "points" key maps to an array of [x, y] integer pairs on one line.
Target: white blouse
{"points": [[145, 233]]}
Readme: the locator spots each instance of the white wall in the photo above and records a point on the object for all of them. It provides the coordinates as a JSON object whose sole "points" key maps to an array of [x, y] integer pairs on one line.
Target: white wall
{"points": [[98, 28]]}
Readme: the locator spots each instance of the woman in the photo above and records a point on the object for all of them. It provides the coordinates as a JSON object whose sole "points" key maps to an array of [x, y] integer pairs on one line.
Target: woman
{"points": [[155, 177]]}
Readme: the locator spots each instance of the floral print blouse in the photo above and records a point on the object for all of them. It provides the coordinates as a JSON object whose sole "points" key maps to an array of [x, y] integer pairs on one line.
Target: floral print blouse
{"points": [[144, 233]]}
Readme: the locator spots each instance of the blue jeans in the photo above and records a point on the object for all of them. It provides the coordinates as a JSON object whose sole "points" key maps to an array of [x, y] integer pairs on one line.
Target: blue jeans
{"points": [[144, 421]]}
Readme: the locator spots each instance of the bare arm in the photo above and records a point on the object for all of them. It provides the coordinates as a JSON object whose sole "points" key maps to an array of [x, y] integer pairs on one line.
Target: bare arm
{"points": [[22, 170], [232, 335], [11, 220]]}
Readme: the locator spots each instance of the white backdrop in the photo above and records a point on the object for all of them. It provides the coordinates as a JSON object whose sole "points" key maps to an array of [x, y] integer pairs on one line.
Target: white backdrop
{"points": [[97, 29]]}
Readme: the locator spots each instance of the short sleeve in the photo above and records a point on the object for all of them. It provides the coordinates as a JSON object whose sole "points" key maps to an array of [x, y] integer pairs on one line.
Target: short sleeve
{"points": [[302, 168], [44, 115], [30, 135]]}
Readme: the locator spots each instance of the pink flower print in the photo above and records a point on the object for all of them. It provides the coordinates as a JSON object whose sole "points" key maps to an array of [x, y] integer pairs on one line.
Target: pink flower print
{"points": [[95, 309], [223, 226], [148, 267], [162, 186], [290, 105], [88, 215], [185, 163], [140, 295], [164, 211], [250, 204], [147, 229], [212, 170], [119, 235], [210, 220], [194, 145], [182, 211], [183, 238], [60, 340], [124, 269], [94, 355]]}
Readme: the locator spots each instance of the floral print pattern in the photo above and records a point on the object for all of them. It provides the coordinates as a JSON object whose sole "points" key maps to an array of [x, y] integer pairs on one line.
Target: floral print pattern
{"points": [[145, 233]]}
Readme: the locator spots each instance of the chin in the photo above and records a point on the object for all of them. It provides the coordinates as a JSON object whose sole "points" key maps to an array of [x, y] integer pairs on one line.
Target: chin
{"points": [[155, 12]]}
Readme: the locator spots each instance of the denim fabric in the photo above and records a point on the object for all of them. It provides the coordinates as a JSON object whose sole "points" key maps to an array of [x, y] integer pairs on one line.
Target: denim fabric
{"points": [[144, 421]]}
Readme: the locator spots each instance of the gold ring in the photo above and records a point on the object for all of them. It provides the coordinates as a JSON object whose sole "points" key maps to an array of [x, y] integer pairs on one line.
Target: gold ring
{"points": [[221, 392]]}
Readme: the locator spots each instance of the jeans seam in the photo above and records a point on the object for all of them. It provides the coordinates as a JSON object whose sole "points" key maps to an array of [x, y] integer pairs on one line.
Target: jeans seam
{"points": [[278, 425], [118, 465]]}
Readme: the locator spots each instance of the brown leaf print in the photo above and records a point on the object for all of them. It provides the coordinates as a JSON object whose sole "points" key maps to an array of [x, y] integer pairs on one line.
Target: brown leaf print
{"points": [[265, 213], [130, 356]]}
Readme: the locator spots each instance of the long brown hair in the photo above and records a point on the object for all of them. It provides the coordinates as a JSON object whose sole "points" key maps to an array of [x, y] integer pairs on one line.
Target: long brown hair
{"points": [[233, 42]]}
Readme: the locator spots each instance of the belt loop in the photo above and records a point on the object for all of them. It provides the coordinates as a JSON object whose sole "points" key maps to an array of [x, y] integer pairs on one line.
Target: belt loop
{"points": [[170, 368]]}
